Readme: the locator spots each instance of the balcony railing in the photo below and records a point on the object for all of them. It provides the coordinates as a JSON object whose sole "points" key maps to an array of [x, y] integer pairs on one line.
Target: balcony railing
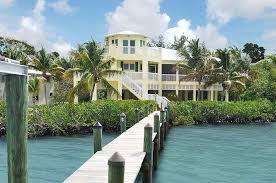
{"points": [[153, 76], [135, 75], [168, 77]]}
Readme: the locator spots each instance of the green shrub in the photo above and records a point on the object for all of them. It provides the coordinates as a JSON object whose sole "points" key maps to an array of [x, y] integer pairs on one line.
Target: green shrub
{"points": [[183, 120], [68, 119], [223, 112]]}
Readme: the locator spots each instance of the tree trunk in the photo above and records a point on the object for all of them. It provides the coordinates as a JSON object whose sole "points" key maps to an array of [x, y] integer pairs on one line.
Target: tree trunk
{"points": [[92, 91]]}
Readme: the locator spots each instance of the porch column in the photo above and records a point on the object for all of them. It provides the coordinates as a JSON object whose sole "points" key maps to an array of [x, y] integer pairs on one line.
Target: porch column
{"points": [[177, 83], [212, 94], [216, 95], [194, 93]]}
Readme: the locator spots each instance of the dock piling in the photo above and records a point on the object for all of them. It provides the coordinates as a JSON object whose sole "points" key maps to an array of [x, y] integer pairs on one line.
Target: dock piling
{"points": [[122, 122], [156, 141], [116, 168], [97, 135], [148, 148], [137, 115], [16, 100]]}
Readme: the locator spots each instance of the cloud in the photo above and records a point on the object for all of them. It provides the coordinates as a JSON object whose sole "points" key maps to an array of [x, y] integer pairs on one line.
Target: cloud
{"points": [[225, 10], [62, 6], [33, 29], [6, 3], [141, 16], [208, 34]]}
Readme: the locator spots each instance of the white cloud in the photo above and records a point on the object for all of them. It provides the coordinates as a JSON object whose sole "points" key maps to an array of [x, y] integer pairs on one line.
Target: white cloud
{"points": [[225, 10], [183, 27], [6, 3], [208, 34], [62, 6], [141, 16], [33, 29]]}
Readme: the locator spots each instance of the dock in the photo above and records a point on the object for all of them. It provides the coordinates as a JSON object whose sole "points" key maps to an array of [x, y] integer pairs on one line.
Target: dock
{"points": [[130, 145]]}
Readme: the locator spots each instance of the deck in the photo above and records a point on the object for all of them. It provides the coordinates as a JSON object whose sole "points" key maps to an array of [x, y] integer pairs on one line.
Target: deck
{"points": [[129, 144]]}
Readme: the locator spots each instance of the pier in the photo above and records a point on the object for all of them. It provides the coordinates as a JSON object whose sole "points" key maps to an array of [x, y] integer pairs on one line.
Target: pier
{"points": [[135, 150]]}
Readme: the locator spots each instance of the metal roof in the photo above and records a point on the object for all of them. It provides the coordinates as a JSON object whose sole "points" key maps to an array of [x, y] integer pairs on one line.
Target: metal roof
{"points": [[13, 67]]}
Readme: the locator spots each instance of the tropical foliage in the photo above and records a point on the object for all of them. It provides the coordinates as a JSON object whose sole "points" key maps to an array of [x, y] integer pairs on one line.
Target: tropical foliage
{"points": [[186, 113], [34, 86], [88, 60], [69, 119]]}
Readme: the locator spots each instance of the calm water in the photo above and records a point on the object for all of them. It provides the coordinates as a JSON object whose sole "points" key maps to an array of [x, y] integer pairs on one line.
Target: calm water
{"points": [[53, 159], [219, 154], [209, 154]]}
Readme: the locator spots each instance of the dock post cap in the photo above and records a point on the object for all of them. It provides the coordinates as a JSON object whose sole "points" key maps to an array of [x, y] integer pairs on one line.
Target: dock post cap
{"points": [[122, 114], [162, 110], [116, 160], [148, 126], [156, 114], [97, 125]]}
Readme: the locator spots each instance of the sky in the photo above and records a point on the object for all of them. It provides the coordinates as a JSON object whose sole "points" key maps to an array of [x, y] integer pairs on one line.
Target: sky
{"points": [[59, 25]]}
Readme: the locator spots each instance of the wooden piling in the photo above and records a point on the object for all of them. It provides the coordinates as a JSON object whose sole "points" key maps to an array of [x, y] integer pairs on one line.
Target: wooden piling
{"points": [[166, 121], [17, 105], [122, 122], [137, 115], [97, 135], [116, 168], [156, 141], [148, 148]]}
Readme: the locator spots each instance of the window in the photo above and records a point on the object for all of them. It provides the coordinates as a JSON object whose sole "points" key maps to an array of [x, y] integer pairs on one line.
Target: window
{"points": [[141, 43], [125, 46], [131, 67], [144, 43], [116, 42], [112, 41], [153, 68], [132, 46], [125, 42], [126, 66]]}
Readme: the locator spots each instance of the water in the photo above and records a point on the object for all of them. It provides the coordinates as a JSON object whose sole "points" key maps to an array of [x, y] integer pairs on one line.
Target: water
{"points": [[53, 159], [206, 154], [219, 154]]}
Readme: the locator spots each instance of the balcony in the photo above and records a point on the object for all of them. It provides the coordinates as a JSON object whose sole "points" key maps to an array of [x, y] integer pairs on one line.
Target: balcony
{"points": [[168, 77], [153, 76]]}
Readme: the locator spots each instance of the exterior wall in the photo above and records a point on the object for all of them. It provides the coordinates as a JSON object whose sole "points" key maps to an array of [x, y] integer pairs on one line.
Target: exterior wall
{"points": [[41, 95]]}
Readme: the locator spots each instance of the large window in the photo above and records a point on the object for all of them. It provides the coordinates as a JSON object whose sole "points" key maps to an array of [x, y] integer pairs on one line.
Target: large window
{"points": [[132, 46], [125, 46], [129, 67], [153, 68]]}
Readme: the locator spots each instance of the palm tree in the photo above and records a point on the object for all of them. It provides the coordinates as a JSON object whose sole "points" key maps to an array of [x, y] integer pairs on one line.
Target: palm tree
{"points": [[88, 60], [34, 87], [44, 62], [229, 72], [198, 62]]}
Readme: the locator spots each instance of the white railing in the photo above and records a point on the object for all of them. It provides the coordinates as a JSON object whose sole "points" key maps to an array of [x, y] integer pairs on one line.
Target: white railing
{"points": [[133, 85], [135, 75], [153, 76], [160, 100], [181, 77], [168, 77]]}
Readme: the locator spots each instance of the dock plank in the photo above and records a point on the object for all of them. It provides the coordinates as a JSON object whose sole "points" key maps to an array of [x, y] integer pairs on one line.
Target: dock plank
{"points": [[129, 145]]}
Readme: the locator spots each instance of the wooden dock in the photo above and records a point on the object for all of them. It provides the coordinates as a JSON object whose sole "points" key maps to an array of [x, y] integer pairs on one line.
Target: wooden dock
{"points": [[129, 145]]}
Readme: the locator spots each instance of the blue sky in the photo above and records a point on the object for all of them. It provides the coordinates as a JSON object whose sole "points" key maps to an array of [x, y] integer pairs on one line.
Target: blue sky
{"points": [[61, 24]]}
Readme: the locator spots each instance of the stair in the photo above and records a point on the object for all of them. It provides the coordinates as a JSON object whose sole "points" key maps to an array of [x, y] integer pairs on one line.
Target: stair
{"points": [[138, 91]]}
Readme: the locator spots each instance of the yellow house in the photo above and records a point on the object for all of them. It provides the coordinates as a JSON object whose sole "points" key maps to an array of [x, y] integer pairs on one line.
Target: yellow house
{"points": [[148, 72]]}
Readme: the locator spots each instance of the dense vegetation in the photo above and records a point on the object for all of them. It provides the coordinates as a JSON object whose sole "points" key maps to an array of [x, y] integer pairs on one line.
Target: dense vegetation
{"points": [[188, 113], [69, 119]]}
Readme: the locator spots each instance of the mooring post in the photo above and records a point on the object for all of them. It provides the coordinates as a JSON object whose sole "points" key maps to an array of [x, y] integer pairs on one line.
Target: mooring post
{"points": [[148, 149], [137, 115], [166, 121], [116, 168], [97, 134], [156, 141], [162, 130], [122, 122], [17, 133]]}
